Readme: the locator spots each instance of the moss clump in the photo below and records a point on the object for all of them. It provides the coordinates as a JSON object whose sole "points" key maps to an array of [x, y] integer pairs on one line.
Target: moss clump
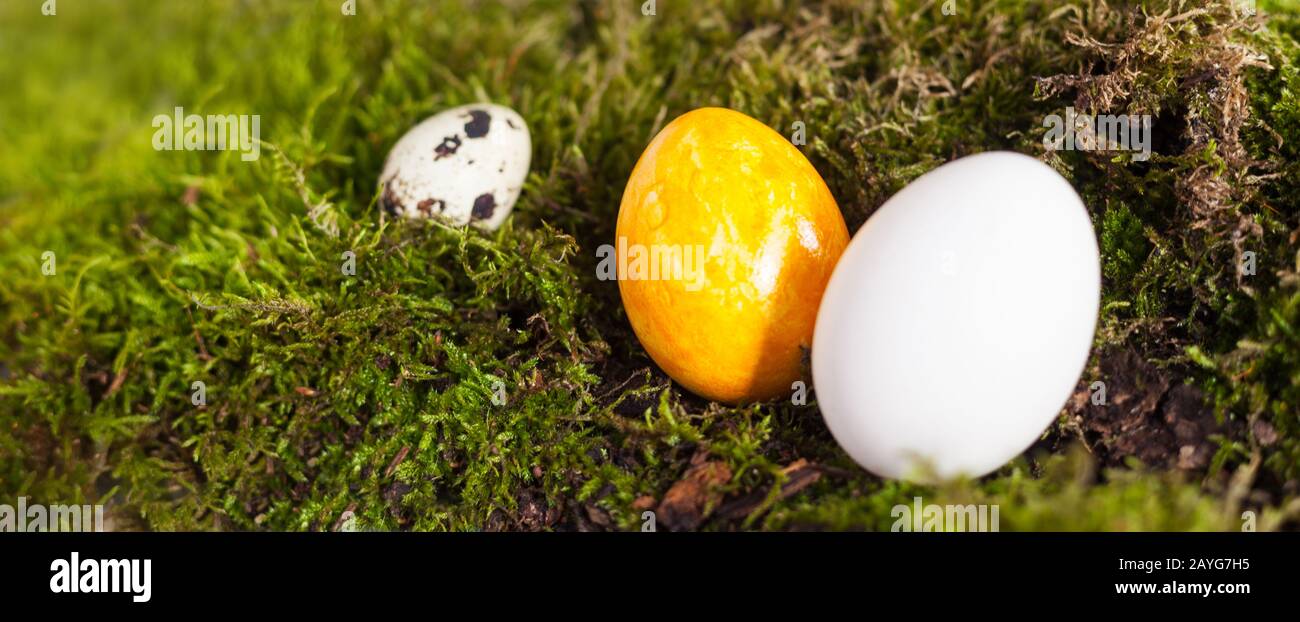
{"points": [[377, 395]]}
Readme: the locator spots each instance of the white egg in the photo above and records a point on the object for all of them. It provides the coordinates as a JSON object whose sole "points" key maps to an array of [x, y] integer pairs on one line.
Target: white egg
{"points": [[958, 320], [464, 166]]}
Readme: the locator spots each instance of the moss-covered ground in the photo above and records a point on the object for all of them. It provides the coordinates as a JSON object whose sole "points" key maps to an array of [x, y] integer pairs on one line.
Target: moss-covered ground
{"points": [[366, 401]]}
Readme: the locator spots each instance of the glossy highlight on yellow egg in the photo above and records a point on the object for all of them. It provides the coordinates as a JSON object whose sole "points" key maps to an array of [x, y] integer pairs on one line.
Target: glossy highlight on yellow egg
{"points": [[726, 239]]}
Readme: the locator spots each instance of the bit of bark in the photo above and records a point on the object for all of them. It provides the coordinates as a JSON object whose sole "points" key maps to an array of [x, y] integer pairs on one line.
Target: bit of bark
{"points": [[688, 502], [598, 517], [799, 475], [643, 503], [535, 514]]}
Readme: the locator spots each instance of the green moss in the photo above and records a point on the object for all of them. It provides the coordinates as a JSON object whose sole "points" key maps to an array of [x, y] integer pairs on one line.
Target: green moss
{"points": [[374, 393]]}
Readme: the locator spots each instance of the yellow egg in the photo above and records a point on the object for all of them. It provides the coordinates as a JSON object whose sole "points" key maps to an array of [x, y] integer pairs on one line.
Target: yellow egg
{"points": [[726, 238]]}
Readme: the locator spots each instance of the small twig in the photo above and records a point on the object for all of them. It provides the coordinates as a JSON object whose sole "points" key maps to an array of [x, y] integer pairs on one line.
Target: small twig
{"points": [[401, 455]]}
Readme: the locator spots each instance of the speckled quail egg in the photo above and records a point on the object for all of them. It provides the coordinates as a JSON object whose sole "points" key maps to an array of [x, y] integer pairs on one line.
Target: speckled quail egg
{"points": [[465, 165]]}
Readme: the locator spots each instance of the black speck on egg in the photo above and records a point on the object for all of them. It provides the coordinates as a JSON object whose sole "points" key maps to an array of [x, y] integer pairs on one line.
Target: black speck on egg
{"points": [[479, 122], [447, 147], [389, 201], [484, 205], [427, 206]]}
